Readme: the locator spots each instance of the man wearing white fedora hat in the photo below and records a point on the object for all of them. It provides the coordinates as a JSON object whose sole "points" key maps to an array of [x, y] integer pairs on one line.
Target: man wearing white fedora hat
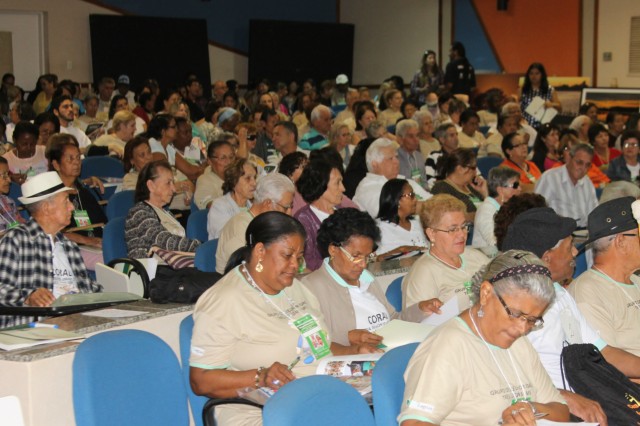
{"points": [[37, 262]]}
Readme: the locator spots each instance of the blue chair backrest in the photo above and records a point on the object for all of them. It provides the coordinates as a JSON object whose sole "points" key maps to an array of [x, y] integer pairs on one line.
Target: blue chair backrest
{"points": [[197, 225], [484, 130], [194, 206], [119, 204], [581, 264], [113, 241], [197, 402], [205, 260], [387, 383], [127, 378], [15, 191], [394, 294], [317, 401], [487, 163], [102, 167]]}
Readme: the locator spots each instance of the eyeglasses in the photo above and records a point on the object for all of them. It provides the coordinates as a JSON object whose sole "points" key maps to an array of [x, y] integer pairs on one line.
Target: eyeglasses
{"points": [[514, 185], [4, 175], [252, 137], [532, 321], [465, 227], [472, 166], [172, 127], [630, 145], [225, 158], [285, 208], [411, 195], [358, 259]]}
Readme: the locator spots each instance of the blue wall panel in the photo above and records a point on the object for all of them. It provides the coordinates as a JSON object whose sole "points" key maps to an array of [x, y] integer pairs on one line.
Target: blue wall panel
{"points": [[469, 31], [228, 21]]}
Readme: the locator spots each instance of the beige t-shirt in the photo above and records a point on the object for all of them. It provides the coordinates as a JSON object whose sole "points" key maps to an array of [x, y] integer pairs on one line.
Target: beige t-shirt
{"points": [[611, 308], [429, 278], [466, 141], [452, 379], [236, 328], [231, 238], [208, 188]]}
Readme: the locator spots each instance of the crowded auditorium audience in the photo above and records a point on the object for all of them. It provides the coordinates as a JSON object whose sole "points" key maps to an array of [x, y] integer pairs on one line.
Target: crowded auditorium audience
{"points": [[273, 168]]}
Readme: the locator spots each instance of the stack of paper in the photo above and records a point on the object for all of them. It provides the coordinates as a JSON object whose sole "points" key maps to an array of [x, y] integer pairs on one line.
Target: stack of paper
{"points": [[27, 337], [398, 333]]}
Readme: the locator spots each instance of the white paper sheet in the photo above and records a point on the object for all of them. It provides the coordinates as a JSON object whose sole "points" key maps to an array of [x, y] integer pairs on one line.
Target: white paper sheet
{"points": [[114, 313], [397, 333], [449, 310]]}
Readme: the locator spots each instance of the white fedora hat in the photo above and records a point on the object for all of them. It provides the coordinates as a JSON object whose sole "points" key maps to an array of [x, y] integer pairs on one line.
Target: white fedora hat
{"points": [[41, 187]]}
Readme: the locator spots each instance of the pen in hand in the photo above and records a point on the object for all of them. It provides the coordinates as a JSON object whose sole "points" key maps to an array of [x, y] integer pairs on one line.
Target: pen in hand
{"points": [[293, 363]]}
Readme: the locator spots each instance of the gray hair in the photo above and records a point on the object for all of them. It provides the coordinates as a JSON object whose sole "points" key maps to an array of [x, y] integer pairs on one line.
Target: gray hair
{"points": [[509, 105], [619, 189], [498, 177], [537, 285], [272, 187], [579, 121], [601, 245], [374, 127], [335, 131], [584, 147], [420, 115], [317, 111], [441, 131], [374, 152], [404, 125]]}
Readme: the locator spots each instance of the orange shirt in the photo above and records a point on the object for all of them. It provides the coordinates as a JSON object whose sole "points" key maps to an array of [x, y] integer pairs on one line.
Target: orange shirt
{"points": [[530, 176]]}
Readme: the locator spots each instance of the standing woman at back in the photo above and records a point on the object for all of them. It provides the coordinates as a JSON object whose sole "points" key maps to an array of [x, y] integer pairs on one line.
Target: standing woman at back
{"points": [[429, 78], [536, 84]]}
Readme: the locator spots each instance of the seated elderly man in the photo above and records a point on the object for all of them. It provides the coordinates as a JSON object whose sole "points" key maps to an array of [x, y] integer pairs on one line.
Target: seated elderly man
{"points": [[274, 192], [317, 137], [39, 264], [448, 138], [409, 155], [567, 189], [382, 165], [608, 293], [541, 231]]}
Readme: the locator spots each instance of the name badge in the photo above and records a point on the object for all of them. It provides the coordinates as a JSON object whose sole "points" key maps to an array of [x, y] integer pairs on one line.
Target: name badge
{"points": [[416, 176], [81, 217], [314, 335]]}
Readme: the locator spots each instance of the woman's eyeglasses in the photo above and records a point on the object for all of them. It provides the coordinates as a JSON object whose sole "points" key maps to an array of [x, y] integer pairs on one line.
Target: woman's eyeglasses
{"points": [[514, 185], [358, 259], [533, 321], [465, 227], [411, 195]]}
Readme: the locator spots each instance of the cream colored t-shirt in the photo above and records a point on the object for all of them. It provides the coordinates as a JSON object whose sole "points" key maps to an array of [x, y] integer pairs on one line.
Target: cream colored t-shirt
{"points": [[611, 308], [231, 238], [208, 188], [466, 141], [452, 379], [429, 278], [236, 328]]}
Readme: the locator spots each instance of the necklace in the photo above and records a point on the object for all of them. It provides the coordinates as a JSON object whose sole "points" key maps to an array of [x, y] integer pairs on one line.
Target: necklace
{"points": [[635, 302], [513, 365], [460, 189], [444, 261]]}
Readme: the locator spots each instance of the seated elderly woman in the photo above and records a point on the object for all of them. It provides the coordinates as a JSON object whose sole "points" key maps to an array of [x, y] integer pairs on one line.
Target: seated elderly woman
{"points": [[515, 152], [428, 143], [445, 270], [627, 166], [401, 234], [503, 184], [238, 187], [148, 224], [459, 178], [340, 138], [292, 166], [581, 125], [602, 152], [352, 301], [321, 187], [251, 327], [137, 153], [477, 369], [124, 127]]}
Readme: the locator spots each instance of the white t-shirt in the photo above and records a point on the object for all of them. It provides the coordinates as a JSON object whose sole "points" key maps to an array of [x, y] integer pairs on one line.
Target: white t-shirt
{"points": [[64, 281], [170, 153], [367, 195], [635, 170], [429, 278], [370, 312], [562, 322], [30, 166], [452, 379], [393, 236], [612, 308], [81, 137]]}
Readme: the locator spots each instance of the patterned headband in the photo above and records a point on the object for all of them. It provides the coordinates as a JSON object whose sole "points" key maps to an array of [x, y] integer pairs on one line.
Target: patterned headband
{"points": [[519, 270]]}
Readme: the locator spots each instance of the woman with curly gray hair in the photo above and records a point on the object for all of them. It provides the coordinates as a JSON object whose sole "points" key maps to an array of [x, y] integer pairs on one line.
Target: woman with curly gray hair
{"points": [[476, 368]]}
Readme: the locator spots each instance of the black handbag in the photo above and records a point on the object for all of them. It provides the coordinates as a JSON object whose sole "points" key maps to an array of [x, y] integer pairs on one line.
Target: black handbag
{"points": [[591, 376], [184, 285]]}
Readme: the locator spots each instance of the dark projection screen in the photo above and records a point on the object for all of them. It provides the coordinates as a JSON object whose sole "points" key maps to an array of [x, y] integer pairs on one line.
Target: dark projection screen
{"points": [[144, 47], [286, 51]]}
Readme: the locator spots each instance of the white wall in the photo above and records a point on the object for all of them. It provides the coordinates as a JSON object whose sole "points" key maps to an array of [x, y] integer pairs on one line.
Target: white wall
{"points": [[614, 25], [390, 37], [27, 44]]}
